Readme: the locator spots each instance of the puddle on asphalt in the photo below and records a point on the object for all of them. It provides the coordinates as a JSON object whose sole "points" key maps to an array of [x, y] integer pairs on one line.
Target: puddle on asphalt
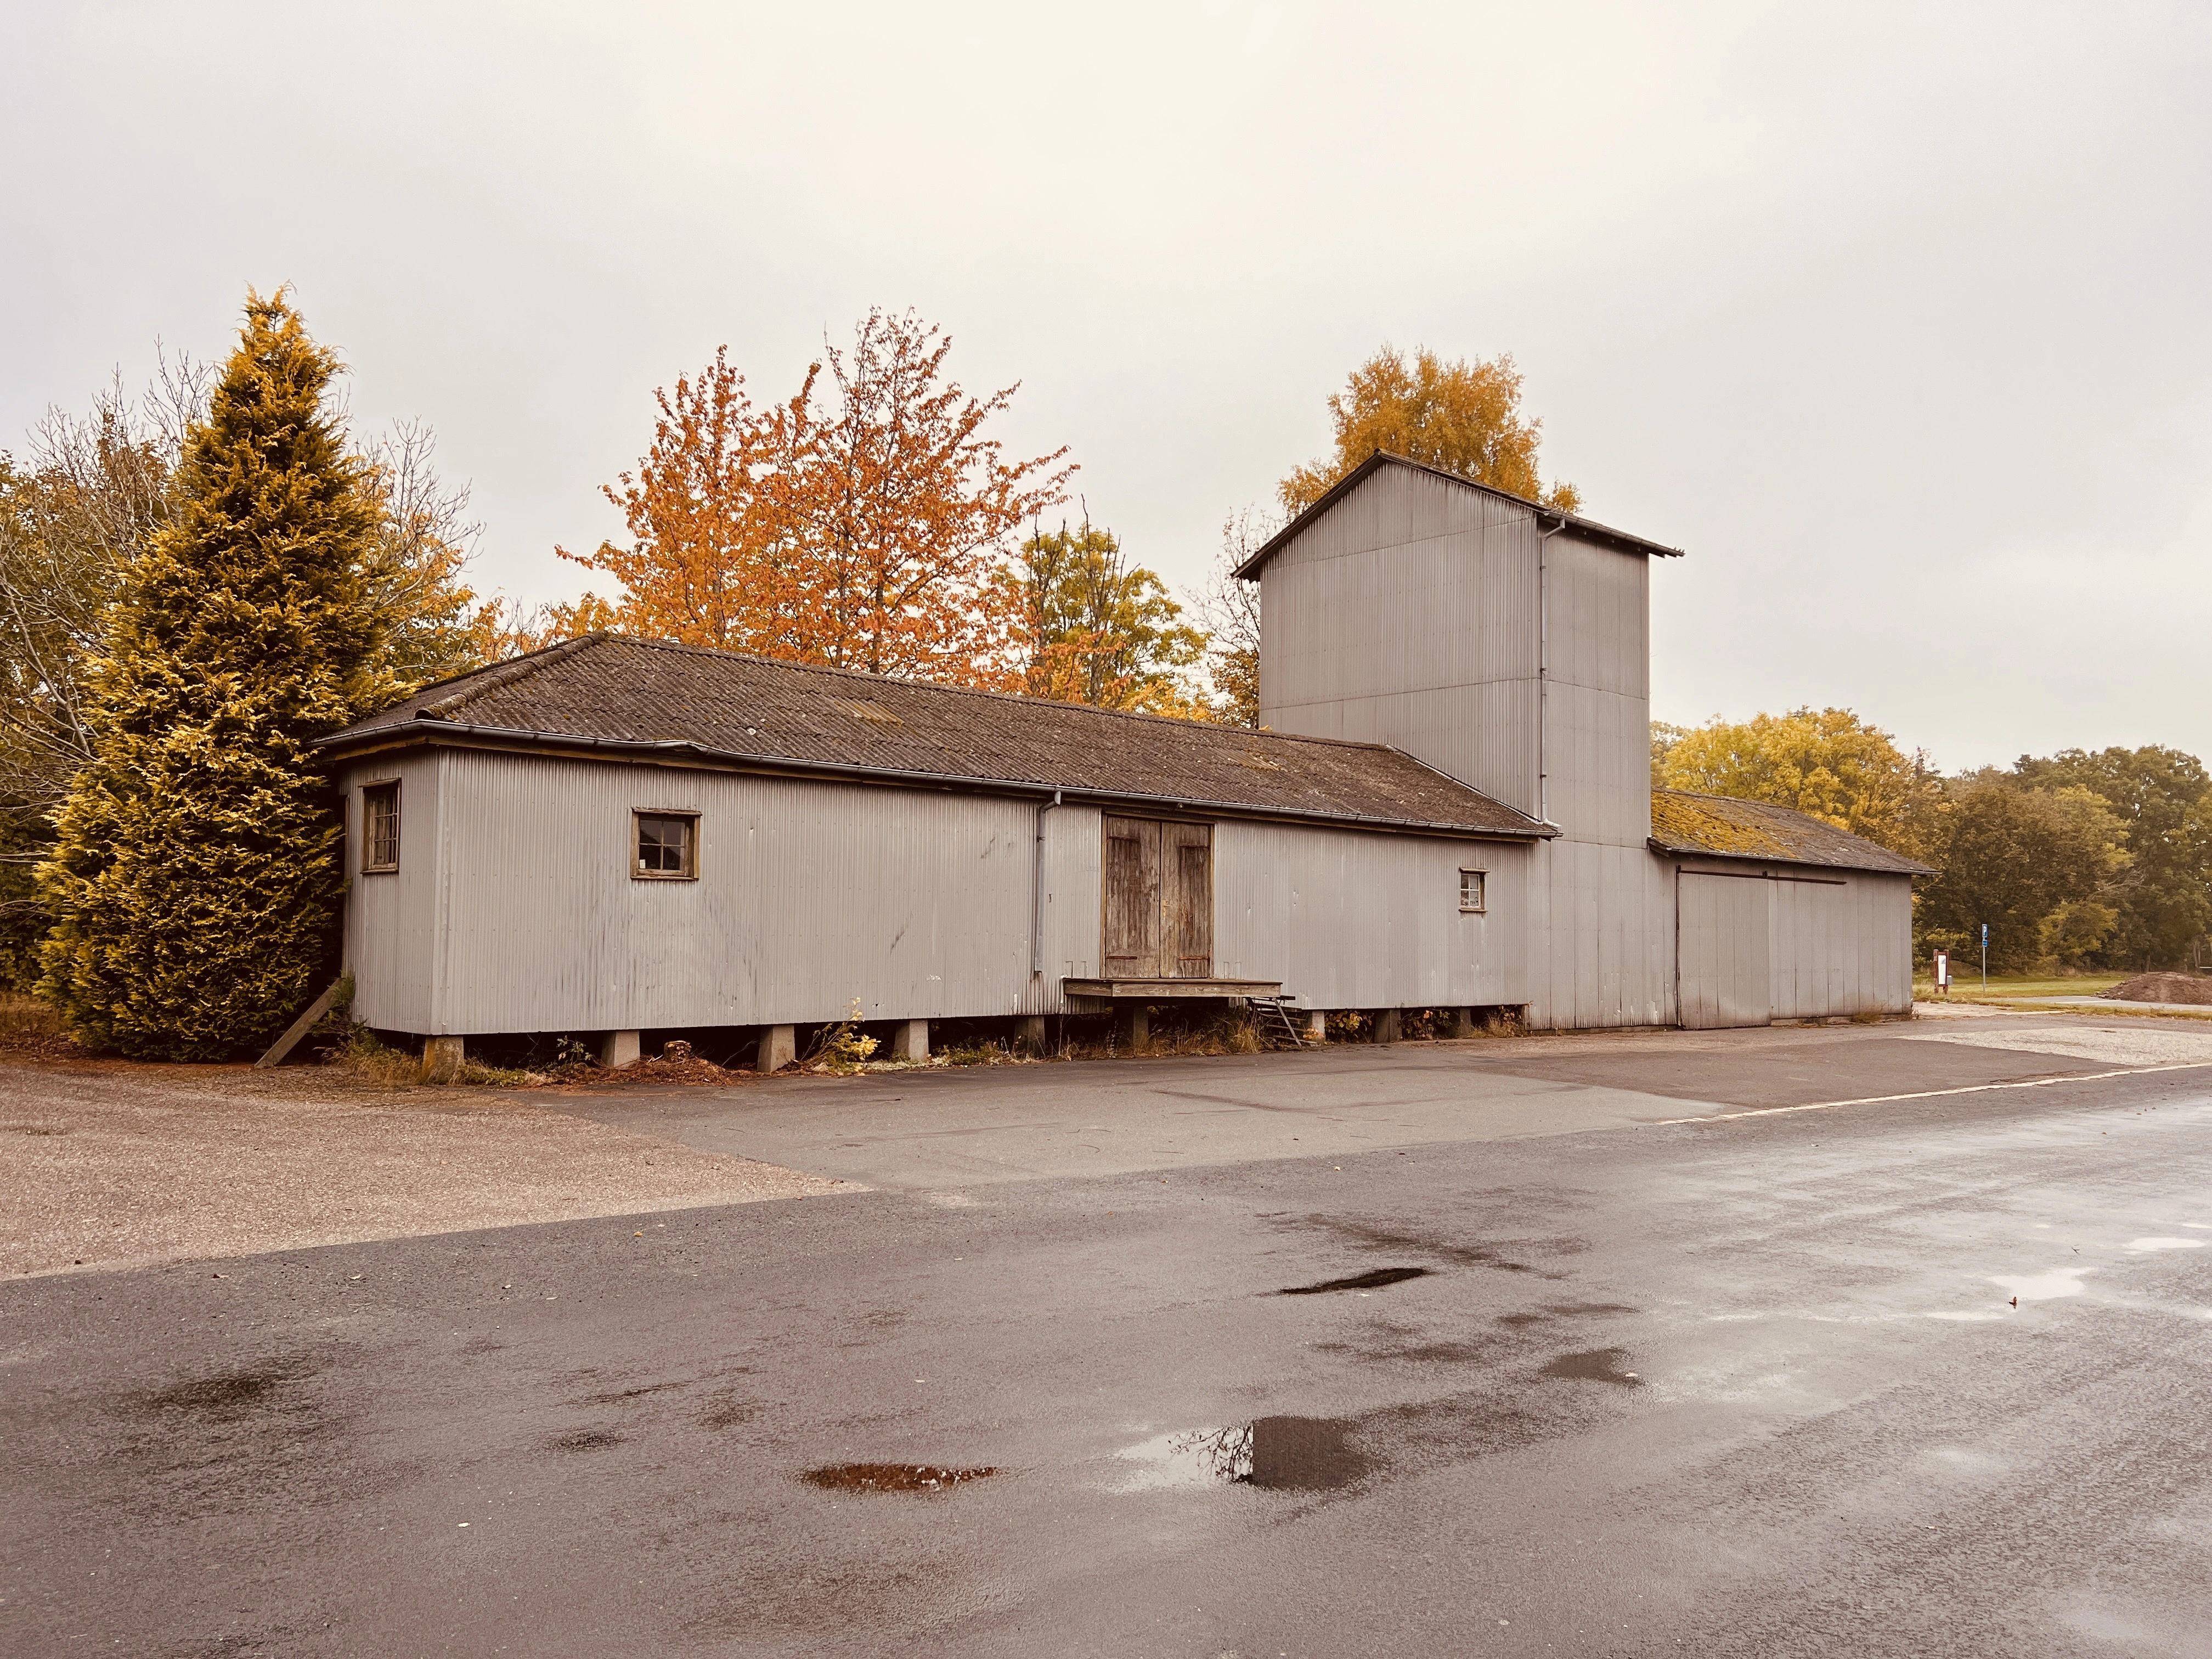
{"points": [[1279, 1454], [1374, 1279], [588, 1440], [892, 1477], [1595, 1365]]}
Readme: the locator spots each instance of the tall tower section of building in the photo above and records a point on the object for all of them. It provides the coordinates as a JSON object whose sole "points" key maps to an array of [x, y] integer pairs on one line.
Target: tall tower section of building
{"points": [[1508, 647]]}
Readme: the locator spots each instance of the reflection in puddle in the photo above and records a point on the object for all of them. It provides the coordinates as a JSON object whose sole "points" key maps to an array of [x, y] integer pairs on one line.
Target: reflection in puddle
{"points": [[1282, 1453], [1595, 1365], [1374, 1279], [2166, 1244], [892, 1477]]}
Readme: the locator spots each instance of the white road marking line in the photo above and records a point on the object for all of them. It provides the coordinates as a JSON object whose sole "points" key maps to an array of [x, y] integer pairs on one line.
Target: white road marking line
{"points": [[1930, 1094]]}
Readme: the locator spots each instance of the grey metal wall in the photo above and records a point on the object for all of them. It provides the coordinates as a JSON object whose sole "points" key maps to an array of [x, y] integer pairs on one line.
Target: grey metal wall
{"points": [[810, 897], [392, 919], [1347, 920], [1406, 615]]}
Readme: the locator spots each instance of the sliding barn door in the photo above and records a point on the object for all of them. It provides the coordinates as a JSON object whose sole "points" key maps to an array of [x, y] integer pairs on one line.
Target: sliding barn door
{"points": [[1722, 954], [1133, 899]]}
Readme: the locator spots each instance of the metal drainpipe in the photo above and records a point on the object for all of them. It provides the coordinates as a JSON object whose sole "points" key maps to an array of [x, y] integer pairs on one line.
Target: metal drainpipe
{"points": [[1037, 892], [1544, 672]]}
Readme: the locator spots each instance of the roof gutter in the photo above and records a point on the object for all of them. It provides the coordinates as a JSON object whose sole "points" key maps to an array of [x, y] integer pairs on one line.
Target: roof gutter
{"points": [[420, 729]]}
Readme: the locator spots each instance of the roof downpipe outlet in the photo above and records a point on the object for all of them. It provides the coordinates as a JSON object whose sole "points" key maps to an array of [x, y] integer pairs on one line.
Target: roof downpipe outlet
{"points": [[1544, 672], [1037, 890]]}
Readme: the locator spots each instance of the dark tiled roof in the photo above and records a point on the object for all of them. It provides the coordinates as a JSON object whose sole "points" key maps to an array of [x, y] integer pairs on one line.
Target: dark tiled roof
{"points": [[611, 689], [1723, 827]]}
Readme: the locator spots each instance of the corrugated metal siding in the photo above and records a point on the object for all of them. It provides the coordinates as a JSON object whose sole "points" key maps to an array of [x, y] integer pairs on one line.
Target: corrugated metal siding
{"points": [[810, 897], [1407, 616], [1352, 920], [1601, 937], [391, 919]]}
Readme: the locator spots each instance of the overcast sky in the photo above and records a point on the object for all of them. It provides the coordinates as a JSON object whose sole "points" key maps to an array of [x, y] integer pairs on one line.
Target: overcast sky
{"points": [[1895, 317]]}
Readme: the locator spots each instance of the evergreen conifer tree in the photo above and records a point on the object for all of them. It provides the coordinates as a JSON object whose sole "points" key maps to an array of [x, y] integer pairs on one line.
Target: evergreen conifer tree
{"points": [[198, 863]]}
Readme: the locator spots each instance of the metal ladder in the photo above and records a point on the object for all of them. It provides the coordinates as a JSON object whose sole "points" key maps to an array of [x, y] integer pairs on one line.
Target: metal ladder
{"points": [[1270, 1018]]}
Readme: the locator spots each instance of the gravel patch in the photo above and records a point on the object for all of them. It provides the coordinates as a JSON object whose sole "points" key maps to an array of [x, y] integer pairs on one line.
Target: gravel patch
{"points": [[111, 1164]]}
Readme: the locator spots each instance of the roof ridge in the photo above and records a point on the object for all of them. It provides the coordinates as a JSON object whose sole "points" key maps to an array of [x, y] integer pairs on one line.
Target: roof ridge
{"points": [[493, 677]]}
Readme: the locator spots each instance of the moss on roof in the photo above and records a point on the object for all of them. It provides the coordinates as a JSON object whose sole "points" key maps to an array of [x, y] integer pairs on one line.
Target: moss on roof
{"points": [[1721, 826]]}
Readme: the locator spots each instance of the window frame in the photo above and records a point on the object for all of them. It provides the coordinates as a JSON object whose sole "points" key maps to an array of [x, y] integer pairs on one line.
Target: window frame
{"points": [[388, 788], [1481, 905], [638, 815]]}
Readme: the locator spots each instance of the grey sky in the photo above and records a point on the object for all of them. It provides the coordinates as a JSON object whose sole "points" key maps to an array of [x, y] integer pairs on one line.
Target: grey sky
{"points": [[1895, 317]]}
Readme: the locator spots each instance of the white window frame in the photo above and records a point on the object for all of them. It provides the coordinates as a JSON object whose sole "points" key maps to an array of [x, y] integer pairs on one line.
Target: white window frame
{"points": [[1481, 904]]}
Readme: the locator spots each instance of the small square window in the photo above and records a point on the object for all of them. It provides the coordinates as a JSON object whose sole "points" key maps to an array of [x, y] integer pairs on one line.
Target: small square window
{"points": [[380, 828], [667, 847], [1470, 891]]}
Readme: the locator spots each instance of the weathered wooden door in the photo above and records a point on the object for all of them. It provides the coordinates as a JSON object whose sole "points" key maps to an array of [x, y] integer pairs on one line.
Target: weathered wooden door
{"points": [[1186, 901], [1723, 977], [1159, 900], [1132, 947]]}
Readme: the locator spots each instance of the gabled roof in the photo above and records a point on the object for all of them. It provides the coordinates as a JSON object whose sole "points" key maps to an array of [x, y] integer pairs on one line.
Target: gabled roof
{"points": [[1587, 528], [1720, 826], [646, 699]]}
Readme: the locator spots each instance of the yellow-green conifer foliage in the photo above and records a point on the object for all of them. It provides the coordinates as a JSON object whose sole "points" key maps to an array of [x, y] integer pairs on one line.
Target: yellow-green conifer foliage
{"points": [[199, 868]]}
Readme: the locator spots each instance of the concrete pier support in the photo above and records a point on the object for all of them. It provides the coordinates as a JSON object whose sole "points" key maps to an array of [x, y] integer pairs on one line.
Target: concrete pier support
{"points": [[912, 1041], [1386, 1025], [1464, 1024], [441, 1059], [1136, 1024], [1029, 1034], [620, 1049], [779, 1047], [1316, 1025]]}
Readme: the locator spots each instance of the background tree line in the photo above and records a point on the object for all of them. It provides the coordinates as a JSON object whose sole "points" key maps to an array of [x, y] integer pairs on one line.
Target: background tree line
{"points": [[2077, 861]]}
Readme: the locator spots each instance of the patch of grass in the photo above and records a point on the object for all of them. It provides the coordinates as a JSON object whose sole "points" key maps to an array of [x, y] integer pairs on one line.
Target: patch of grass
{"points": [[373, 1062], [2020, 985], [30, 1026]]}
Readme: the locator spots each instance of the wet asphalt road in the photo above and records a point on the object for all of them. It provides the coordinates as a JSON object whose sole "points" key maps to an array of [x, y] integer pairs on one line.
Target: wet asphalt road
{"points": [[1749, 1386]]}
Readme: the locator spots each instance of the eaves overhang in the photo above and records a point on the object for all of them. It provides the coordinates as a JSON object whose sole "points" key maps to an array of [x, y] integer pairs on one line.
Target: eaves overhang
{"points": [[1902, 867], [1588, 529], [420, 732]]}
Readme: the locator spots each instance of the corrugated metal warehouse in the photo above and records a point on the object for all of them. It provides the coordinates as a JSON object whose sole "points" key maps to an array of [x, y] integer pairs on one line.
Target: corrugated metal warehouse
{"points": [[1451, 809]]}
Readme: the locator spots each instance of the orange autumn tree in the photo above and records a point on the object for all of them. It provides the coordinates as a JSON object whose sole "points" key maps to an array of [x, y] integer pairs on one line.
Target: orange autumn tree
{"points": [[711, 511], [870, 534]]}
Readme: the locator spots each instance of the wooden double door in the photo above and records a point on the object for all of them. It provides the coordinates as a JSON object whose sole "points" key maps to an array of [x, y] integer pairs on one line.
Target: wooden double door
{"points": [[1159, 900]]}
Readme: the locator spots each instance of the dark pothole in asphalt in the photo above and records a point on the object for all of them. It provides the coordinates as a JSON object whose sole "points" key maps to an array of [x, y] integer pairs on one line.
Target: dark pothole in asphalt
{"points": [[892, 1477], [1374, 1279], [587, 1440]]}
